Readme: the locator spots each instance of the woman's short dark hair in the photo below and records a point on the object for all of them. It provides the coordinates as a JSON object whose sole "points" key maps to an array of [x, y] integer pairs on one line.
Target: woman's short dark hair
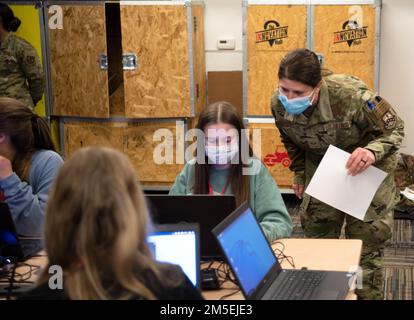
{"points": [[9, 21], [301, 65]]}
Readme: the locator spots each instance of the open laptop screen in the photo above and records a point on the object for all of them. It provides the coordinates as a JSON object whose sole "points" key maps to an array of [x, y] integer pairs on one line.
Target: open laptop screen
{"points": [[206, 210], [177, 246], [247, 250]]}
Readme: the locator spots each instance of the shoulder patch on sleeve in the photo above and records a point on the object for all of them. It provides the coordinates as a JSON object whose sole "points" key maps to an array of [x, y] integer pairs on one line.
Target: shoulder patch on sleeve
{"points": [[382, 113], [30, 60]]}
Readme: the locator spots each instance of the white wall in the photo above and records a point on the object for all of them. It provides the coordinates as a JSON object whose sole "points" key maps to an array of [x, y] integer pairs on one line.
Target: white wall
{"points": [[224, 18], [397, 62]]}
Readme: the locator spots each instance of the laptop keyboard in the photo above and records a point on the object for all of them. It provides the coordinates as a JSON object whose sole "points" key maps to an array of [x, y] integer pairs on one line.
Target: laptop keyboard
{"points": [[299, 285]]}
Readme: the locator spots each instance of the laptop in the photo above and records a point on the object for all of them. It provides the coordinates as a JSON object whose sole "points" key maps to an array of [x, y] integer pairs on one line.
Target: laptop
{"points": [[206, 210], [11, 245], [178, 244], [258, 271]]}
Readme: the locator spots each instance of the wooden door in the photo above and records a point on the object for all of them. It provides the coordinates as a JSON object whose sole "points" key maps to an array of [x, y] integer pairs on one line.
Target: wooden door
{"points": [[160, 86], [346, 36], [79, 86], [272, 31]]}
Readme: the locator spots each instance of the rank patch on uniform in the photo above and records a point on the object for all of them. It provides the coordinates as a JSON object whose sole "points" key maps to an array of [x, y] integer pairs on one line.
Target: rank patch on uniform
{"points": [[389, 120], [382, 113], [30, 60]]}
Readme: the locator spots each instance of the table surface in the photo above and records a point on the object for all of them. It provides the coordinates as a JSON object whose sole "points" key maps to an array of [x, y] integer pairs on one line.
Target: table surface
{"points": [[315, 254]]}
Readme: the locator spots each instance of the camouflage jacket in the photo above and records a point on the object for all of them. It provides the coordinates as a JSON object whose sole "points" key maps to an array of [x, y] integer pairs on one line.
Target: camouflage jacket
{"points": [[404, 173], [21, 74], [348, 115]]}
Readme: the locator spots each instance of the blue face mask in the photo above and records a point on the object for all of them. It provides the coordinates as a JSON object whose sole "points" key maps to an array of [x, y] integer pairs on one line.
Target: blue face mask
{"points": [[297, 105]]}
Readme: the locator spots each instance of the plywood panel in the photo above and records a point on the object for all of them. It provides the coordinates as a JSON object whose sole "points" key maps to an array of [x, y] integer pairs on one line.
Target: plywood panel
{"points": [[79, 87], [160, 85], [289, 25], [274, 154], [136, 140], [87, 134], [335, 24], [140, 146], [199, 59]]}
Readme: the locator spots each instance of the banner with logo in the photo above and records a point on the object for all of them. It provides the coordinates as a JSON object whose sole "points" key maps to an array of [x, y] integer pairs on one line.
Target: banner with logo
{"points": [[345, 35], [272, 31]]}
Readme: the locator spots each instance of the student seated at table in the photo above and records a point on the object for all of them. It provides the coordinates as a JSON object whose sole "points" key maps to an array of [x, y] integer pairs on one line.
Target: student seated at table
{"points": [[96, 230], [221, 169], [28, 165]]}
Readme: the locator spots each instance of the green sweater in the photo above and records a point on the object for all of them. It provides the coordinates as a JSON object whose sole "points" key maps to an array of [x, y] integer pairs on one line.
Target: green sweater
{"points": [[265, 198]]}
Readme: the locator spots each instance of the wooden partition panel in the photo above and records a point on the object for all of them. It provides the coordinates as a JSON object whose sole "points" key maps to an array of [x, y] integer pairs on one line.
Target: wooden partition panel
{"points": [[137, 141], [159, 87], [79, 86], [274, 154], [346, 36], [272, 31]]}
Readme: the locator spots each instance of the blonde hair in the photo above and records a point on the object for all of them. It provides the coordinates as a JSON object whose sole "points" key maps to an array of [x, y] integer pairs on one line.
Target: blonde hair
{"points": [[96, 227]]}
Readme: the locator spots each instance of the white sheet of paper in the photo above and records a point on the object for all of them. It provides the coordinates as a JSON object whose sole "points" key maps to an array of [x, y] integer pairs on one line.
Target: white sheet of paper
{"points": [[332, 185], [408, 193]]}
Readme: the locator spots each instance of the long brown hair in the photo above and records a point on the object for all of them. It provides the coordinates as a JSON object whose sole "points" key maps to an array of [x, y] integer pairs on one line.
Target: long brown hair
{"points": [[223, 112], [28, 133], [302, 65], [96, 227]]}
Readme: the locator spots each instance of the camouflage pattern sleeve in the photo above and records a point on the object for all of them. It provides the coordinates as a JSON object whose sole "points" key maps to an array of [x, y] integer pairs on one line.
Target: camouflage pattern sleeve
{"points": [[296, 154], [32, 68], [388, 127]]}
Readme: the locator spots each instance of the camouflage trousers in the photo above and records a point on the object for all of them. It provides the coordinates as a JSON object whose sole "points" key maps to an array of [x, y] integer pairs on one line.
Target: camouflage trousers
{"points": [[322, 221]]}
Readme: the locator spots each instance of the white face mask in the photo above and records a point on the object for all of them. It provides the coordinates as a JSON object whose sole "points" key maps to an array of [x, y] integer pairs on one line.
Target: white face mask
{"points": [[221, 154]]}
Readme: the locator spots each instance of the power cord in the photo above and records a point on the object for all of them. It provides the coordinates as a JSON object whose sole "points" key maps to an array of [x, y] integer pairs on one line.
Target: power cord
{"points": [[224, 272], [230, 294], [12, 277], [280, 255]]}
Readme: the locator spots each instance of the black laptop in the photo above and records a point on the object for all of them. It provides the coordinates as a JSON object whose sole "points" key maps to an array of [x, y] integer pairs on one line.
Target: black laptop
{"points": [[11, 245], [258, 271], [205, 210]]}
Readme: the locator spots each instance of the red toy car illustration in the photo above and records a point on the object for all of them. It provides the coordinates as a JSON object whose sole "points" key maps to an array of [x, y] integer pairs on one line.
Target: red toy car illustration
{"points": [[278, 157]]}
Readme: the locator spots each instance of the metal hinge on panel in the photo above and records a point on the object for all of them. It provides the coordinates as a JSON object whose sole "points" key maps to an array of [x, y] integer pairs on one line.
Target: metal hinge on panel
{"points": [[195, 24], [103, 62], [129, 61]]}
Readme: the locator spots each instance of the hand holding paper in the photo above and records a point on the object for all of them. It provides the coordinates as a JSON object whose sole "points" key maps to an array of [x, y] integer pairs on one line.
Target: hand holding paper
{"points": [[332, 184]]}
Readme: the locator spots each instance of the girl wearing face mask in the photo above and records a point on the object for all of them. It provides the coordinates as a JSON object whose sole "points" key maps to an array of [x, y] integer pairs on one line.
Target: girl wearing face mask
{"points": [[220, 171], [314, 108]]}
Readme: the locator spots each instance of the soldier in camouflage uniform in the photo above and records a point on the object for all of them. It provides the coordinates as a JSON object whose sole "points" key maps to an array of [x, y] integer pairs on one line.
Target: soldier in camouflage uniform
{"points": [[21, 74], [341, 111]]}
